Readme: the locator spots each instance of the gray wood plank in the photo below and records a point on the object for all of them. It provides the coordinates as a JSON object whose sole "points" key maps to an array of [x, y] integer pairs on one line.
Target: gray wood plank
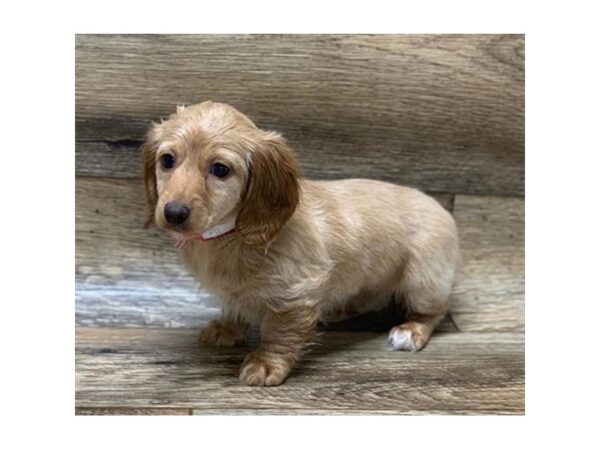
{"points": [[457, 373], [121, 159], [294, 412], [133, 411], [490, 291], [126, 275], [440, 112]]}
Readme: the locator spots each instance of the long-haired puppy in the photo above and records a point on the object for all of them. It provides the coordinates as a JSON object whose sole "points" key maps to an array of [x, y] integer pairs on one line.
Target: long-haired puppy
{"points": [[287, 252]]}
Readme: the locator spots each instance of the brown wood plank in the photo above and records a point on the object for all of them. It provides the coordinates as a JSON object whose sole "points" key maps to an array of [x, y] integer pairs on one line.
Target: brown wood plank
{"points": [[490, 291], [457, 373], [440, 112], [126, 275]]}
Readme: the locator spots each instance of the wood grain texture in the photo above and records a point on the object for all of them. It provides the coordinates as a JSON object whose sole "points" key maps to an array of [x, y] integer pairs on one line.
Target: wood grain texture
{"points": [[440, 112], [457, 373], [490, 291], [292, 412], [133, 411], [121, 159], [126, 275]]}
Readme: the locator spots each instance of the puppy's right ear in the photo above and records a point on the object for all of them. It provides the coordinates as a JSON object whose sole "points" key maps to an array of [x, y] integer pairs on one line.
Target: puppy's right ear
{"points": [[149, 149]]}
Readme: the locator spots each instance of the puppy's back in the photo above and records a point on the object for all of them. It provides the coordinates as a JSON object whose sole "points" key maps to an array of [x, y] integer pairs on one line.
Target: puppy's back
{"points": [[387, 207], [378, 224]]}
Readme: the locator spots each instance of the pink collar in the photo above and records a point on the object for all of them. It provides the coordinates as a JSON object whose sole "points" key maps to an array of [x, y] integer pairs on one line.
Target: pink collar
{"points": [[208, 235]]}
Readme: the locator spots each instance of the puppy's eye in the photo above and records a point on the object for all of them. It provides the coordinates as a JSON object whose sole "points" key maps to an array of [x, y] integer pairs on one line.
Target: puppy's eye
{"points": [[219, 170], [167, 161]]}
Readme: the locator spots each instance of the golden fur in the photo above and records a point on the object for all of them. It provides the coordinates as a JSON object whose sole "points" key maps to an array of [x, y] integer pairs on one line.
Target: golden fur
{"points": [[302, 250]]}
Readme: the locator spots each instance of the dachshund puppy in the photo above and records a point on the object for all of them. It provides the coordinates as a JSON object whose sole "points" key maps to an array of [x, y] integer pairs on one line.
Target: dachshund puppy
{"points": [[287, 252]]}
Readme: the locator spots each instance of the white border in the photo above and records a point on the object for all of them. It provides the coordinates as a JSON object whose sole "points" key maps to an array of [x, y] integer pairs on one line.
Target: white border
{"points": [[38, 223]]}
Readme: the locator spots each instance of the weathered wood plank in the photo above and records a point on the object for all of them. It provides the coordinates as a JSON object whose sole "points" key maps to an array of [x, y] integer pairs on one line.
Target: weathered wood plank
{"points": [[457, 373], [109, 159], [490, 291], [133, 411], [126, 275], [293, 412], [440, 112]]}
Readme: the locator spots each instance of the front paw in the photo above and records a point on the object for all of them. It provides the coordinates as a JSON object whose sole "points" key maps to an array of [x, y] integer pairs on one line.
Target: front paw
{"points": [[220, 335], [261, 368]]}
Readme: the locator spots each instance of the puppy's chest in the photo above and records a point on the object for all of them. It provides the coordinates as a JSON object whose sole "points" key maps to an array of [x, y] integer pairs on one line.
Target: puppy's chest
{"points": [[232, 273]]}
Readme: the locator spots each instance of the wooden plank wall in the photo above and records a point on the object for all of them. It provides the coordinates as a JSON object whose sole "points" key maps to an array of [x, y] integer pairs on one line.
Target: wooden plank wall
{"points": [[439, 112], [489, 292]]}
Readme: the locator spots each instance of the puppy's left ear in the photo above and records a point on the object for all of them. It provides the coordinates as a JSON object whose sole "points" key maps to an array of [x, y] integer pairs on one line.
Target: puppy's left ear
{"points": [[273, 193], [149, 149]]}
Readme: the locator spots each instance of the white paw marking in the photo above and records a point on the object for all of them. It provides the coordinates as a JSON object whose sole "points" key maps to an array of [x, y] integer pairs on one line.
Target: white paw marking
{"points": [[401, 339]]}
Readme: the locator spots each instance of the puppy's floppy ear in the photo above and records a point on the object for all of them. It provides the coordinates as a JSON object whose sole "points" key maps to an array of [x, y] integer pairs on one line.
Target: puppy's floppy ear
{"points": [[149, 149], [273, 192]]}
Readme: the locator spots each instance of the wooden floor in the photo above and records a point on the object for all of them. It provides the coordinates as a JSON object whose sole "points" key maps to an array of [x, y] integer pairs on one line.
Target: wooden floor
{"points": [[159, 371], [138, 314]]}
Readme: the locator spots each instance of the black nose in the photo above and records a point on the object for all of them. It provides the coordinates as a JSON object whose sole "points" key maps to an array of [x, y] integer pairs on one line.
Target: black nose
{"points": [[176, 213]]}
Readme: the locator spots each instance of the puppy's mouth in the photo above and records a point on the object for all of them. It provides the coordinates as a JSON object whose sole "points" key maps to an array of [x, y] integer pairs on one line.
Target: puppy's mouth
{"points": [[181, 229], [182, 240], [186, 229], [183, 232]]}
